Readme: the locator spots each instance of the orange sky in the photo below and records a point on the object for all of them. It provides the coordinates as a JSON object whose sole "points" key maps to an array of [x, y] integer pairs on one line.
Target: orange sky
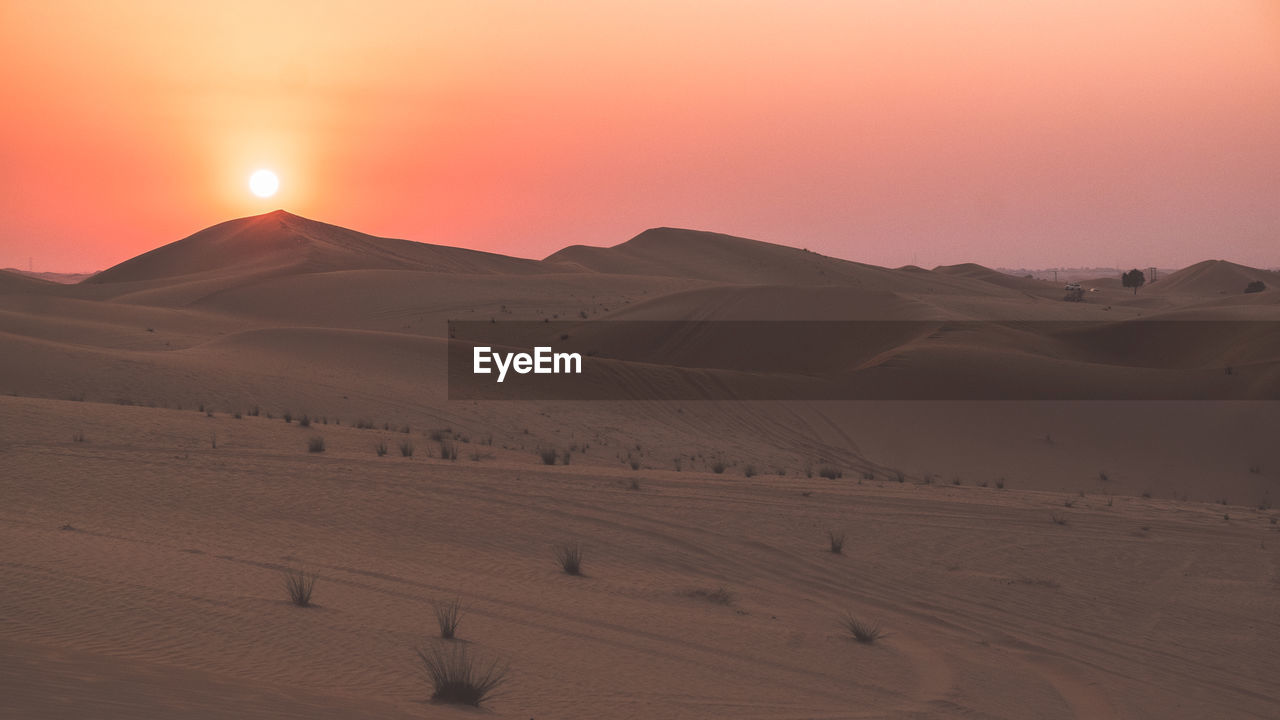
{"points": [[1007, 132]]}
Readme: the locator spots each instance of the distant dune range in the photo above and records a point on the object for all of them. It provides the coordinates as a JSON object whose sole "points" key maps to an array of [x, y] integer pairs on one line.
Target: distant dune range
{"points": [[151, 490]]}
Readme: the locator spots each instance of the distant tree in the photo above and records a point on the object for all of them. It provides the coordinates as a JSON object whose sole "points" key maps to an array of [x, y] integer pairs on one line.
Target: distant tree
{"points": [[1134, 279], [1255, 286]]}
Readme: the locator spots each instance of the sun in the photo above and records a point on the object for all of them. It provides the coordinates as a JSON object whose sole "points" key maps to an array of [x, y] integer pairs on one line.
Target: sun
{"points": [[264, 183]]}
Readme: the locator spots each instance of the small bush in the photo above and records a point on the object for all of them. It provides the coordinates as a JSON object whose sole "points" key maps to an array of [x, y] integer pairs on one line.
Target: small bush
{"points": [[718, 467], [457, 678], [836, 541], [635, 463], [315, 444], [1058, 518], [288, 416], [448, 615], [569, 556], [78, 436], [548, 456], [304, 421], [448, 449], [1000, 484], [406, 448], [830, 473], [380, 448], [749, 471], [1256, 286], [299, 584], [238, 415], [861, 631]]}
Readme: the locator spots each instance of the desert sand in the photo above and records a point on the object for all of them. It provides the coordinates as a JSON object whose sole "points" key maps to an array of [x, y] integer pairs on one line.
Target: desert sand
{"points": [[1046, 559]]}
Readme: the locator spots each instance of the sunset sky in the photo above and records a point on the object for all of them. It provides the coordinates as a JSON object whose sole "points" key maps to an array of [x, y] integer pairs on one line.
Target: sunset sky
{"points": [[1015, 133]]}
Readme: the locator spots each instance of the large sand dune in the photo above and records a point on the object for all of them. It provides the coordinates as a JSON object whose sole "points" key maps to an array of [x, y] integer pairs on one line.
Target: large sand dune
{"points": [[162, 596]]}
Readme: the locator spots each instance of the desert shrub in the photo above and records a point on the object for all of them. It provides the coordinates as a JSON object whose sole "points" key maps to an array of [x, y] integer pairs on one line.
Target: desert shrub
{"points": [[380, 448], [830, 473], [749, 471], [634, 463], [78, 436], [238, 415], [1058, 518], [1000, 484], [448, 615], [1256, 286], [718, 467], [315, 444], [448, 449], [868, 476], [288, 416], [635, 484], [836, 540], [404, 429], [457, 678], [548, 456], [406, 448], [299, 584], [863, 632], [1068, 503], [304, 421], [569, 556]]}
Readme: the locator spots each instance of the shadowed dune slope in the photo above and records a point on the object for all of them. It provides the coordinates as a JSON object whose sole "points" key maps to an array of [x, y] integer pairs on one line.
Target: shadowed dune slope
{"points": [[733, 260], [19, 283], [281, 243]]}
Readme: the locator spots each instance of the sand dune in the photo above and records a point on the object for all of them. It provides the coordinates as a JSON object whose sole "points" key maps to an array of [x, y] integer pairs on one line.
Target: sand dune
{"points": [[280, 242], [1213, 277], [162, 597]]}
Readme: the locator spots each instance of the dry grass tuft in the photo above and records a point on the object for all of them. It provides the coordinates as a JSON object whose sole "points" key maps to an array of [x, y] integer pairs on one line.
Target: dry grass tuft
{"points": [[448, 615], [457, 678], [299, 584], [861, 631], [569, 556]]}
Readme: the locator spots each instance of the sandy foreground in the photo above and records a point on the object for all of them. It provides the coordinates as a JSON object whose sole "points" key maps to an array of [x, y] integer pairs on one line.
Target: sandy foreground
{"points": [[143, 579], [1024, 559]]}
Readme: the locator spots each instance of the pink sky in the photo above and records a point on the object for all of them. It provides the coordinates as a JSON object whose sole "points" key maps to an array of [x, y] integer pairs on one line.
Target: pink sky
{"points": [[1012, 133]]}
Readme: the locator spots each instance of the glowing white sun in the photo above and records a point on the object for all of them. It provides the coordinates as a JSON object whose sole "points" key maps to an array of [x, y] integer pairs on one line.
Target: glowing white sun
{"points": [[264, 183]]}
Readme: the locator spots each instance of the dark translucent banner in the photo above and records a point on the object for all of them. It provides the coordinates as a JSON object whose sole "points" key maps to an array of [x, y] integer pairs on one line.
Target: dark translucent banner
{"points": [[864, 360]]}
